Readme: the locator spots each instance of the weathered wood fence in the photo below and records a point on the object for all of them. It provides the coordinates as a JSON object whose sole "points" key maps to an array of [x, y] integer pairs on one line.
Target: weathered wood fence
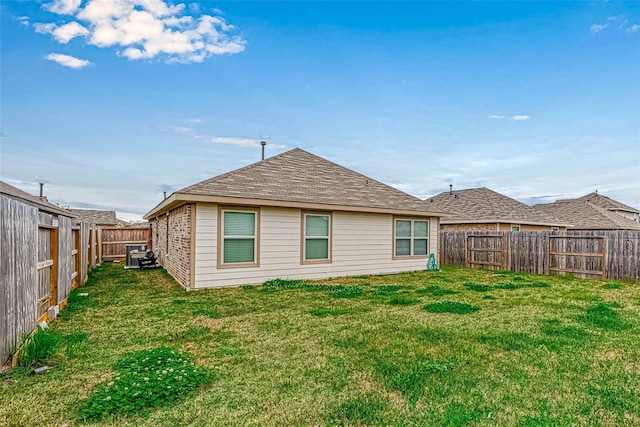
{"points": [[43, 257], [114, 240], [586, 254]]}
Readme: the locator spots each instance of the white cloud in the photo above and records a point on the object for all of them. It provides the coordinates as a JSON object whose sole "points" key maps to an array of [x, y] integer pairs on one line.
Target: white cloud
{"points": [[596, 28], [24, 20], [521, 117], [182, 129], [238, 142], [63, 7], [194, 120], [496, 117], [634, 28], [146, 29], [68, 61], [64, 33]]}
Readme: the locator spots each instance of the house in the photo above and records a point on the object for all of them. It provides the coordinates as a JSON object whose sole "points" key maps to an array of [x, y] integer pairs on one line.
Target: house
{"points": [[294, 215], [482, 209], [593, 212], [98, 217]]}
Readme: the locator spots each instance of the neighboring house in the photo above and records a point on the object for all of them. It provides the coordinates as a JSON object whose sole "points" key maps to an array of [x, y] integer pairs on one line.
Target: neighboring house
{"points": [[481, 209], [594, 212], [292, 216], [98, 217]]}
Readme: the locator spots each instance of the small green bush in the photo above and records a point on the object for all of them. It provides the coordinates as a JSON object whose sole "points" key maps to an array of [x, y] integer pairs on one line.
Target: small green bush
{"points": [[41, 344], [146, 379], [451, 307]]}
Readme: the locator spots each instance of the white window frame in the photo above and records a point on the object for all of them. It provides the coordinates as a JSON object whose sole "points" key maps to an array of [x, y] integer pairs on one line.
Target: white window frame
{"points": [[222, 238], [411, 239]]}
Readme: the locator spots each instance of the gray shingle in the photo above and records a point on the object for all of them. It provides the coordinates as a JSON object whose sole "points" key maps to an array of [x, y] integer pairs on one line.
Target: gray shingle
{"points": [[299, 176], [481, 205]]}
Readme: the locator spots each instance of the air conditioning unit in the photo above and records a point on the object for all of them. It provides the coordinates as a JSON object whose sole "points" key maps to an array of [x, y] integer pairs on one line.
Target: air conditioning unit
{"points": [[134, 252]]}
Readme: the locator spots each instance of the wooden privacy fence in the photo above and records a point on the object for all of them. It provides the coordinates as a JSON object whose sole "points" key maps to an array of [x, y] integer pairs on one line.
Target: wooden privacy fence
{"points": [[586, 254], [115, 240], [43, 257]]}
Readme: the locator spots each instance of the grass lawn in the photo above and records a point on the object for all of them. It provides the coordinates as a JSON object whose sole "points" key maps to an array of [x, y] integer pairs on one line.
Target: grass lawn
{"points": [[452, 348]]}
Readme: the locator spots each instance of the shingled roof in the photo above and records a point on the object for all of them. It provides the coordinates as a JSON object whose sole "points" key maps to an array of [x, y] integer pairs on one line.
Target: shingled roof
{"points": [[297, 178], [96, 216], [607, 203], [484, 206], [41, 203], [585, 215]]}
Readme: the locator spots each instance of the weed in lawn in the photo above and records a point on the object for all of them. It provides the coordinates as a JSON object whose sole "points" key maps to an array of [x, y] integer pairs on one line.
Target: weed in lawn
{"points": [[179, 301], [334, 311], [403, 300], [147, 379], [362, 410], [229, 351], [40, 345], [614, 285], [346, 292], [282, 284], [555, 328], [488, 297], [507, 286], [435, 290], [410, 377], [209, 312], [451, 307], [604, 316], [76, 344], [458, 414], [537, 284], [477, 287], [511, 341], [388, 289]]}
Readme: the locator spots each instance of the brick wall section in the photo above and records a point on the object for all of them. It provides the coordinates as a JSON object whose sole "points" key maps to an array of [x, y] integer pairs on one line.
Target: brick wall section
{"points": [[468, 227], [172, 239]]}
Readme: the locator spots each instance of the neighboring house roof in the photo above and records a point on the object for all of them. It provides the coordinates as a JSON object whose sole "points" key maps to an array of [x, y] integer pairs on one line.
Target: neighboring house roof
{"points": [[585, 215], [484, 206], [300, 179], [607, 203], [40, 202], [95, 216]]}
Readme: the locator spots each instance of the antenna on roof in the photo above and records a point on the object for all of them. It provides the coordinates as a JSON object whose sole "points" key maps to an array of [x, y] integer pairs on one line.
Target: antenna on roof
{"points": [[263, 143]]}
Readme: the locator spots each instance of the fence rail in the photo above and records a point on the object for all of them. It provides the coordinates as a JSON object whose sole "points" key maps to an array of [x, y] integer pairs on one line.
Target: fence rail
{"points": [[586, 254]]}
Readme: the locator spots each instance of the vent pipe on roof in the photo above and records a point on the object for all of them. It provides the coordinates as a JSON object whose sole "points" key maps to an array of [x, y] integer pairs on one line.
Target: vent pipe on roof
{"points": [[450, 189], [263, 143], [165, 195], [41, 188]]}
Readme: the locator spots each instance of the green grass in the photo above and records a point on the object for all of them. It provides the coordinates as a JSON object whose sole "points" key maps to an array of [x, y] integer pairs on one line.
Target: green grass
{"points": [[497, 349]]}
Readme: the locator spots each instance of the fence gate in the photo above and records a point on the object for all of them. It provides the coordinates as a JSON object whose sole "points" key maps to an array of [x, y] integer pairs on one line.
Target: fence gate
{"points": [[584, 256], [47, 290], [488, 251]]}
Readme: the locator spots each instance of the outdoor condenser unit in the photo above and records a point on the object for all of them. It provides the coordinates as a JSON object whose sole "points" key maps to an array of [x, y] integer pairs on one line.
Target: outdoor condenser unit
{"points": [[133, 253]]}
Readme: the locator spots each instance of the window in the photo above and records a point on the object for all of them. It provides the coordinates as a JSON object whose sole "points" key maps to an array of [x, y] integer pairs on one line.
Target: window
{"points": [[515, 228], [239, 237], [411, 238], [316, 233]]}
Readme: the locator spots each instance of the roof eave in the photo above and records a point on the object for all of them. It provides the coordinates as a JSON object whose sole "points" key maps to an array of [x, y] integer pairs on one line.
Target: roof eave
{"points": [[504, 221], [177, 199]]}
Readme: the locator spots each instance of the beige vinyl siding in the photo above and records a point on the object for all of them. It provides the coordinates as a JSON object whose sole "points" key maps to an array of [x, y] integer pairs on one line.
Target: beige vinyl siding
{"points": [[361, 244]]}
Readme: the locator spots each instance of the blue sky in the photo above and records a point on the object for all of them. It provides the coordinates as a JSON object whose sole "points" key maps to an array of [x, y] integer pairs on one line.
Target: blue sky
{"points": [[112, 102]]}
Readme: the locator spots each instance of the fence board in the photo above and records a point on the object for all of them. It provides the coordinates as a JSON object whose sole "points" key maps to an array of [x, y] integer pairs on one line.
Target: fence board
{"points": [[115, 240]]}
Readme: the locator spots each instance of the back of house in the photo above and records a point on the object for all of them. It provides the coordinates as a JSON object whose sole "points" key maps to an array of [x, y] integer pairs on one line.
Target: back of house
{"points": [[292, 216]]}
